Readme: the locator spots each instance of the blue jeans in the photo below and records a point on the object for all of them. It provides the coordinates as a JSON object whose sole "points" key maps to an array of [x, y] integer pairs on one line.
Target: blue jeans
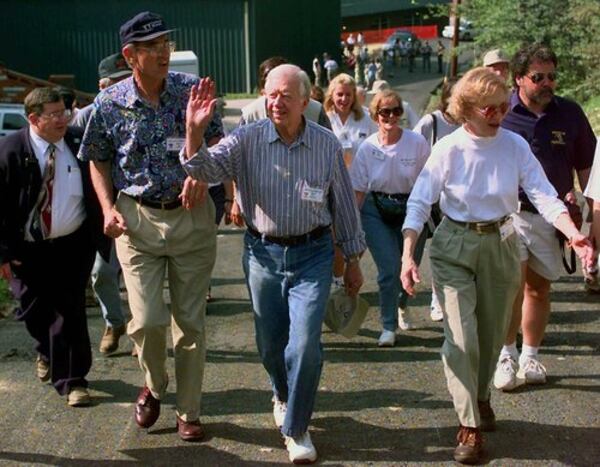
{"points": [[105, 282], [385, 244], [289, 288]]}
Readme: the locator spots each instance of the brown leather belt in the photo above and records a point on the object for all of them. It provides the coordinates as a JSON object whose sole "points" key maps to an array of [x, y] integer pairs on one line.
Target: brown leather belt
{"points": [[483, 228], [166, 205], [293, 240]]}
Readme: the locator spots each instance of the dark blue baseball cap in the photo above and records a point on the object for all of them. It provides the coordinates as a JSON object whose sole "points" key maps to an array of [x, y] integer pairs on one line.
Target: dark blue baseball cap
{"points": [[144, 26]]}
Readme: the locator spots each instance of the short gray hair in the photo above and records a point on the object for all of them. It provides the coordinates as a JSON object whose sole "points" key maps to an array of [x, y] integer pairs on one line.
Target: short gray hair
{"points": [[287, 69]]}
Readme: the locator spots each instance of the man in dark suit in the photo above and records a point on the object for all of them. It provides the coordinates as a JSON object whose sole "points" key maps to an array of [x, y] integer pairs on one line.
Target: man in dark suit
{"points": [[50, 227]]}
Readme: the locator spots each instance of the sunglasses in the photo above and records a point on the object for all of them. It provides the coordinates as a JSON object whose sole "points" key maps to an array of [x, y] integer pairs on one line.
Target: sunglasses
{"points": [[490, 110], [537, 78], [386, 113]]}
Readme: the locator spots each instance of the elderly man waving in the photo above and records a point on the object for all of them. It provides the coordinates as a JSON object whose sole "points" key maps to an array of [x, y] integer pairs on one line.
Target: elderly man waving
{"points": [[294, 186]]}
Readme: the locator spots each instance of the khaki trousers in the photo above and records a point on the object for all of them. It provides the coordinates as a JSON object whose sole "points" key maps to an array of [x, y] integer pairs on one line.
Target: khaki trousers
{"points": [[476, 278], [182, 244]]}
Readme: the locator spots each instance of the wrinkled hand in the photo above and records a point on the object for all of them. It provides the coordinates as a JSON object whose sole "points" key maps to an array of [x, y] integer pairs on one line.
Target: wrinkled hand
{"points": [[584, 249], [353, 278], [193, 192], [236, 214], [114, 223], [201, 104], [409, 276]]}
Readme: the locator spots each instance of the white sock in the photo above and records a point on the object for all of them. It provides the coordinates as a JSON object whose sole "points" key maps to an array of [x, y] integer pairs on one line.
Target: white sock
{"points": [[510, 351], [528, 352]]}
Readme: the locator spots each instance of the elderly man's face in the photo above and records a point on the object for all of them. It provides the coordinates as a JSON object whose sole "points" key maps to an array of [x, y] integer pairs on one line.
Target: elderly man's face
{"points": [[151, 58], [285, 103]]}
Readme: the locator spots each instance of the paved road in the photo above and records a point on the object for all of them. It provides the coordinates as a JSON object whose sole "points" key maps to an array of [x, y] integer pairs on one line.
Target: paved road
{"points": [[375, 406]]}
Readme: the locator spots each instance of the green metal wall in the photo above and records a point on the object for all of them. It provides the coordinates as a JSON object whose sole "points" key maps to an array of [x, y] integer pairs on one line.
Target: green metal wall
{"points": [[297, 30], [43, 37]]}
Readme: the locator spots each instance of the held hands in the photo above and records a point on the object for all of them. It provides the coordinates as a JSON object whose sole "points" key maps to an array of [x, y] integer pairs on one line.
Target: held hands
{"points": [[193, 192], [114, 223], [583, 248], [409, 276]]}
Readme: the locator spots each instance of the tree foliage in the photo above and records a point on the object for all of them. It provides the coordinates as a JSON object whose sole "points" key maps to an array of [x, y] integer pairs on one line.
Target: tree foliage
{"points": [[570, 27]]}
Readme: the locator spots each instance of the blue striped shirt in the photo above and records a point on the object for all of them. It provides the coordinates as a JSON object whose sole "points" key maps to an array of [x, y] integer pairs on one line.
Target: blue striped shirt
{"points": [[285, 189]]}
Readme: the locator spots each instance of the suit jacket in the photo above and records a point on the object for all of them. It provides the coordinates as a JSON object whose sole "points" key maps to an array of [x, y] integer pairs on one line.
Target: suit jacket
{"points": [[20, 184]]}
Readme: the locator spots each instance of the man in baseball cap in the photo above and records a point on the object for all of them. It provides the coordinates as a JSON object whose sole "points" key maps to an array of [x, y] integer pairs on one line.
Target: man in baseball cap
{"points": [[497, 61], [144, 26]]}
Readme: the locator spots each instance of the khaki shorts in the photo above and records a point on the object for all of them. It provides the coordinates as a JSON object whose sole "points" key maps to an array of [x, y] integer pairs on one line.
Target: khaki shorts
{"points": [[538, 245]]}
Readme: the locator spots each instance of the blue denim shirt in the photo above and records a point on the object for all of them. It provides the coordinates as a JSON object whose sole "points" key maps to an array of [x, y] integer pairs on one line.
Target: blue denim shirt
{"points": [[127, 130]]}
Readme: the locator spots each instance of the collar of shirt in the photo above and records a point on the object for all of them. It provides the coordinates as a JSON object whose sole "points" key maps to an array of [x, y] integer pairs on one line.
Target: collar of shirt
{"points": [[40, 147], [273, 135], [133, 95], [517, 105]]}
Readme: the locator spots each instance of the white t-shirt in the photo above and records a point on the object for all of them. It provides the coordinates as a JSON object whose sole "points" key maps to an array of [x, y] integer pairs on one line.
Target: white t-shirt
{"points": [[389, 168], [592, 190], [330, 65], [477, 179], [353, 132], [443, 126]]}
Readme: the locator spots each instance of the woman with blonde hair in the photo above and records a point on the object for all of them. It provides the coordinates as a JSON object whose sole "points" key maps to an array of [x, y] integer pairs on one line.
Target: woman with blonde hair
{"points": [[475, 173], [383, 174], [351, 126]]}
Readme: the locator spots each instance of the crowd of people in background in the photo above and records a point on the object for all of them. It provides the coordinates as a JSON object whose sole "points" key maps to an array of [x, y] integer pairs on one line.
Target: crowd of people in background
{"points": [[316, 178]]}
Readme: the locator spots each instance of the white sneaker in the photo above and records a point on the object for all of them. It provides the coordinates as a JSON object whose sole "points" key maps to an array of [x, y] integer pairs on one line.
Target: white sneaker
{"points": [[505, 376], [436, 313], [301, 449], [403, 321], [387, 339], [532, 371], [279, 410]]}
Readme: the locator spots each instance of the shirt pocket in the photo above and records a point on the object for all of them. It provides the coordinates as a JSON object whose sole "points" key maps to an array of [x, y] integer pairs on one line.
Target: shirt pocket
{"points": [[74, 181]]}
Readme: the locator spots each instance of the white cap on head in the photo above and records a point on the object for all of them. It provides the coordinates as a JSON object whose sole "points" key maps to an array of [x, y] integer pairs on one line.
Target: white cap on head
{"points": [[495, 56]]}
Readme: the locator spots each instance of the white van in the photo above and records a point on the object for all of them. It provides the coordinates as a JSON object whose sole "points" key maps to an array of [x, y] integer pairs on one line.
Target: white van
{"points": [[12, 118]]}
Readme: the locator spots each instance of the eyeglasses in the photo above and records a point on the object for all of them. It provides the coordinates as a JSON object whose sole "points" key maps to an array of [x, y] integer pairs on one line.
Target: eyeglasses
{"points": [[57, 115], [157, 49], [386, 113], [490, 110], [537, 78]]}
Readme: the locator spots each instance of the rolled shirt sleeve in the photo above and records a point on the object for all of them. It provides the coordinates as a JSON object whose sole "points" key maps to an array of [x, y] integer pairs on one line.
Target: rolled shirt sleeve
{"points": [[217, 163]]}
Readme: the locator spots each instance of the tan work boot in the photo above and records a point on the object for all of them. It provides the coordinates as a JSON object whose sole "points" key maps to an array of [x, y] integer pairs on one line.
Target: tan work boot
{"points": [[42, 369], [110, 339]]}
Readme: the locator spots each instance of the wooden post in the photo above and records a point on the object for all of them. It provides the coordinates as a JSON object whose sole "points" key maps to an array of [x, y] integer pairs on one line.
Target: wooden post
{"points": [[455, 40]]}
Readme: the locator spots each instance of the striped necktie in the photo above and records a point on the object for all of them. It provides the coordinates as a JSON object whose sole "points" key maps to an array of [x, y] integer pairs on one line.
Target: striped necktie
{"points": [[41, 221]]}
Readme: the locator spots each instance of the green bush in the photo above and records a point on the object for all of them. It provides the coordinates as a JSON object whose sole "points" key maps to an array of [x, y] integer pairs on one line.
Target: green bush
{"points": [[5, 296]]}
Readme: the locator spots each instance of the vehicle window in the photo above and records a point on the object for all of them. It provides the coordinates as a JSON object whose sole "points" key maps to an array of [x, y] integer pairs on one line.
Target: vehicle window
{"points": [[13, 121]]}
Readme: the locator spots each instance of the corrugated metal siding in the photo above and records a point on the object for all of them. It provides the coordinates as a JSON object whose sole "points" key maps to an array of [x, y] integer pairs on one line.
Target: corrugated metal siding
{"points": [[297, 30], [367, 7], [43, 37]]}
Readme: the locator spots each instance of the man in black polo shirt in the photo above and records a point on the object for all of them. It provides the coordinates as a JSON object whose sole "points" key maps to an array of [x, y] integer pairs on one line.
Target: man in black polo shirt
{"points": [[561, 138]]}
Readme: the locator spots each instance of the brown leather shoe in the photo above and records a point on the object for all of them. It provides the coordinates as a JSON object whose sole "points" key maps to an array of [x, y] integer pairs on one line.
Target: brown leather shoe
{"points": [[470, 445], [110, 339], [42, 369], [147, 408], [190, 431], [486, 416]]}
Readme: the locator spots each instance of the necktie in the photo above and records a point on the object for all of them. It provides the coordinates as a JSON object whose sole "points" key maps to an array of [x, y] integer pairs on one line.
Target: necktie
{"points": [[41, 222]]}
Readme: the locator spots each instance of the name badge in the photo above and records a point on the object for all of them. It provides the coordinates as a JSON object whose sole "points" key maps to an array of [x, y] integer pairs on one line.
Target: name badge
{"points": [[345, 140], [175, 144], [312, 194], [506, 230], [378, 154]]}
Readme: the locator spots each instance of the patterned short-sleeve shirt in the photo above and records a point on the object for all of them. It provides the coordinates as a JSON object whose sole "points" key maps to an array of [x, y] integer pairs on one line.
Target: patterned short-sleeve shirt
{"points": [[143, 141]]}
